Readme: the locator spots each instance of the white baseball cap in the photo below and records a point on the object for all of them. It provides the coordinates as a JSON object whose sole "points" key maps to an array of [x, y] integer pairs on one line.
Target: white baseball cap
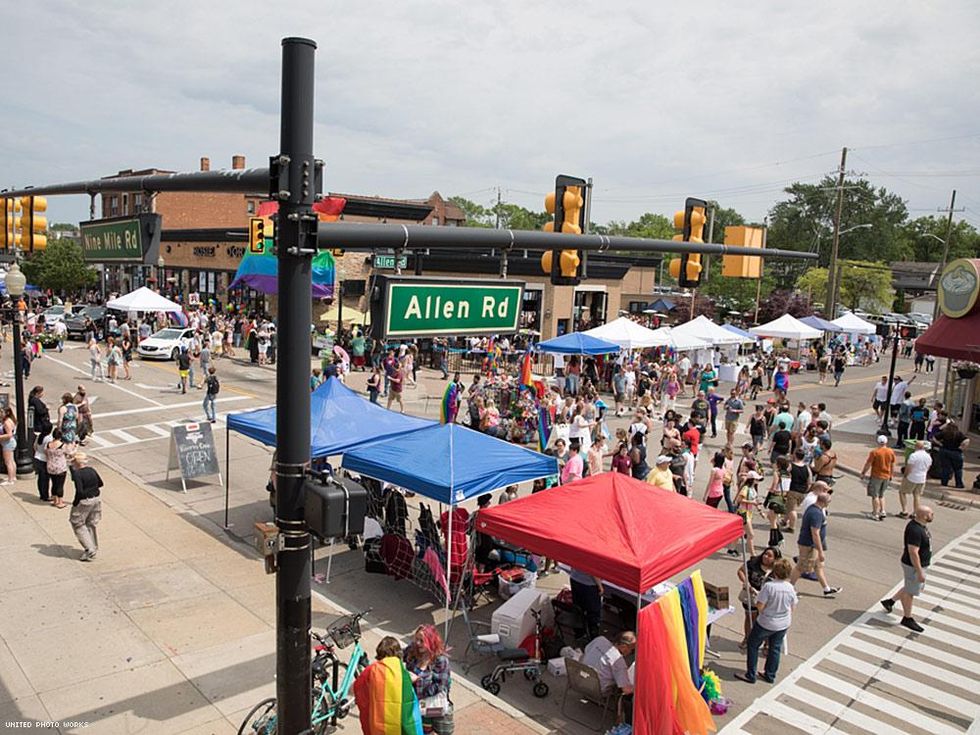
{"points": [[882, 439]]}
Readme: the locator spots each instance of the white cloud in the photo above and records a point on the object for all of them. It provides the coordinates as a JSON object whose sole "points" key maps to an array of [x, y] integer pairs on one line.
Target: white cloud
{"points": [[655, 103]]}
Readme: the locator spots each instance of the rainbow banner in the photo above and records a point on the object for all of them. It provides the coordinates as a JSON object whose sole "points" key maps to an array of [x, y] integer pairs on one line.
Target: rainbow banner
{"points": [[386, 700], [449, 406], [526, 378]]}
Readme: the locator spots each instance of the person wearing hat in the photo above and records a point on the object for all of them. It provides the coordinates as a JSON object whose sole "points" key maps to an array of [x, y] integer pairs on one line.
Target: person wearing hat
{"points": [[86, 508], [660, 476], [881, 462]]}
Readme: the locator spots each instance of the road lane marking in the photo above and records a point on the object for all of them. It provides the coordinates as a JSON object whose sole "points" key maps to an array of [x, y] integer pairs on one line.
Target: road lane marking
{"points": [[111, 385], [892, 637], [164, 407], [839, 711]]}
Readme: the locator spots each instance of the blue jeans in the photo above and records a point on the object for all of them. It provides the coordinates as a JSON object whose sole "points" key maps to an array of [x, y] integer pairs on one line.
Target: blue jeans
{"points": [[756, 639], [571, 384], [209, 407], [951, 465]]}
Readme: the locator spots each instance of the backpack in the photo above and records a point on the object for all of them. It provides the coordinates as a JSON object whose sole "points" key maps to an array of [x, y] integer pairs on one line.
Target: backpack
{"points": [[213, 385]]}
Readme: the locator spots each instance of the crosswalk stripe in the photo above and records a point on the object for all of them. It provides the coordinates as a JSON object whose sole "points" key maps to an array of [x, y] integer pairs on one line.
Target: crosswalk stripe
{"points": [[956, 641], [156, 430], [866, 697], [124, 435], [950, 574], [894, 657], [100, 441], [838, 711], [946, 604], [953, 564], [954, 623], [891, 637], [960, 559], [953, 593], [931, 694], [800, 720]]}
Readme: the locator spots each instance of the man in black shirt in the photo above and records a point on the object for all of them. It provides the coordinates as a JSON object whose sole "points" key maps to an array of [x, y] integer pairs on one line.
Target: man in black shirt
{"points": [[916, 556], [86, 508]]}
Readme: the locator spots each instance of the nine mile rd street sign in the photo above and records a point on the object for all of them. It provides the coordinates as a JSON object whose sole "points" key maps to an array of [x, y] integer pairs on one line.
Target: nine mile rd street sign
{"points": [[403, 306]]}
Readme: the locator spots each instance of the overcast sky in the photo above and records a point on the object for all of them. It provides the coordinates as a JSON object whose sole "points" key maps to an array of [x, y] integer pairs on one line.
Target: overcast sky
{"points": [[723, 100]]}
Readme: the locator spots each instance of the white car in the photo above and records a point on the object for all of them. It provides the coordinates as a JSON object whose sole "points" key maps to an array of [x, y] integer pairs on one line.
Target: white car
{"points": [[164, 344], [54, 314]]}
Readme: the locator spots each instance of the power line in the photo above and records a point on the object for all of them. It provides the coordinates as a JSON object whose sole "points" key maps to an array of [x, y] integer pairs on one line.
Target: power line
{"points": [[915, 142]]}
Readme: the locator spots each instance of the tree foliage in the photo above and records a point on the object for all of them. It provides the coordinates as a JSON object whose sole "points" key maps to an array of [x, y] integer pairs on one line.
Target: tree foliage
{"points": [[59, 267], [783, 301], [924, 237], [863, 285]]}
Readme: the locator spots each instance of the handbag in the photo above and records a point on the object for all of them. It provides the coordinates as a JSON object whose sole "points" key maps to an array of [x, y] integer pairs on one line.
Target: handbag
{"points": [[438, 705]]}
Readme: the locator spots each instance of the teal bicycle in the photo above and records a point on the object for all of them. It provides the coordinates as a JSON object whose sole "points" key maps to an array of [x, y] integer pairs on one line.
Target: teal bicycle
{"points": [[329, 703]]}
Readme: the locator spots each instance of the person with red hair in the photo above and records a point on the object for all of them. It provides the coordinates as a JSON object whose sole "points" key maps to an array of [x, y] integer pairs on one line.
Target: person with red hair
{"points": [[428, 664]]}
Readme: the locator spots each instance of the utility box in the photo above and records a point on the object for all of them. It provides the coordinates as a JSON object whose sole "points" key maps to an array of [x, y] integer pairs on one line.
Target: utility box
{"points": [[335, 507]]}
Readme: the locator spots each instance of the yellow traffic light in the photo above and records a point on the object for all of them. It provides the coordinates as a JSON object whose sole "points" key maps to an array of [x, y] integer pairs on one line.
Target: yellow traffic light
{"points": [[566, 204], [33, 225], [743, 266], [690, 222], [261, 233]]}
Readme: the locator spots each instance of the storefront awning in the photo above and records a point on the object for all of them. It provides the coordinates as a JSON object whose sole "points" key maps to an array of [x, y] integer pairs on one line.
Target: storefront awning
{"points": [[958, 339]]}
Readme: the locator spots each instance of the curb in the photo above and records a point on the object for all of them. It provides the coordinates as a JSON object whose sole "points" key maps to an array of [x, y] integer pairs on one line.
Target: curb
{"points": [[936, 493]]}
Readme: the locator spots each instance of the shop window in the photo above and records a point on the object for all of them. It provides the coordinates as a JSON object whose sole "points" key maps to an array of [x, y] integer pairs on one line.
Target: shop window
{"points": [[354, 288], [250, 207]]}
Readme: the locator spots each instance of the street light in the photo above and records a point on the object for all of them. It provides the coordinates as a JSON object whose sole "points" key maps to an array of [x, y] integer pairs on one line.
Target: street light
{"points": [[16, 282], [833, 272]]}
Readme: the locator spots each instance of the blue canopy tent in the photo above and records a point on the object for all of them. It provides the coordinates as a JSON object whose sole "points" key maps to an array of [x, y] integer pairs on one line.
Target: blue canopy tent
{"points": [[822, 324], [340, 420], [577, 343], [740, 332], [449, 463], [662, 305]]}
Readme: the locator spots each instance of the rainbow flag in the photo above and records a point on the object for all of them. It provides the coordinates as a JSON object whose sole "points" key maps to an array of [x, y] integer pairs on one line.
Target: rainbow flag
{"points": [[450, 404], [545, 423], [259, 268], [386, 699], [526, 378]]}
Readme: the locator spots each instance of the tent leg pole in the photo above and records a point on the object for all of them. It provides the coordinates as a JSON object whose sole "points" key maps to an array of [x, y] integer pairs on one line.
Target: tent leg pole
{"points": [[329, 560], [449, 568], [227, 470]]}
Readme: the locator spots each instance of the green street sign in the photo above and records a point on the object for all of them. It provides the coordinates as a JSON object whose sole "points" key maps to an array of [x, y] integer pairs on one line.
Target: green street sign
{"points": [[125, 239], [387, 262], [427, 307]]}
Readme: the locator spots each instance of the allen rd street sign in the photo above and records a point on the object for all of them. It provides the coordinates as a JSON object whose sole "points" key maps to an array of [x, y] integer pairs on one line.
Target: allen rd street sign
{"points": [[387, 262], [426, 307]]}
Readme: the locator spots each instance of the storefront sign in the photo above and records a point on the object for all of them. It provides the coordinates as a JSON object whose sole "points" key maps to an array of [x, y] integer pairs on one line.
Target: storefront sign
{"points": [[420, 307], [120, 239], [204, 251], [387, 262], [959, 287]]}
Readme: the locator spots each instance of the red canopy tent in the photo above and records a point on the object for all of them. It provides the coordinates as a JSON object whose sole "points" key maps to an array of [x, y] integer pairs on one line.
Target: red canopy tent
{"points": [[614, 527]]}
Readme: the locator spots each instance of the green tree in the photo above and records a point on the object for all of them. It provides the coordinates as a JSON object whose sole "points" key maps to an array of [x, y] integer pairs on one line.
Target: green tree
{"points": [[863, 285], [60, 267], [924, 236], [476, 214], [514, 217], [805, 221]]}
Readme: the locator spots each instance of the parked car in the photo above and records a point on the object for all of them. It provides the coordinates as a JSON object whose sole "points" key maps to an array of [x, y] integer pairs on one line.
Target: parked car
{"points": [[76, 322], [53, 314], [164, 344]]}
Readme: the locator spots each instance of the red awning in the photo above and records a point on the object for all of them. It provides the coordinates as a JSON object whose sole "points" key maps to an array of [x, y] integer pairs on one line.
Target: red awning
{"points": [[614, 527], [955, 338]]}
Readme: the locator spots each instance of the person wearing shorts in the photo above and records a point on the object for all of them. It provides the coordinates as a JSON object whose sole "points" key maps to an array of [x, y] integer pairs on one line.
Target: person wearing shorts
{"points": [[812, 545], [881, 463], [916, 557], [914, 476]]}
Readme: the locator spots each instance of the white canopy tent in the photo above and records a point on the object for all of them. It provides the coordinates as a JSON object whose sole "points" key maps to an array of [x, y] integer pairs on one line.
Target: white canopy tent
{"points": [[143, 299], [702, 328], [787, 327], [679, 342], [627, 334], [853, 324]]}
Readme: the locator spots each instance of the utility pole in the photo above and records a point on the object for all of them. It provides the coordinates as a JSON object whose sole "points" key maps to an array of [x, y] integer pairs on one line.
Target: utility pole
{"points": [[294, 182], [830, 312], [496, 225], [942, 267]]}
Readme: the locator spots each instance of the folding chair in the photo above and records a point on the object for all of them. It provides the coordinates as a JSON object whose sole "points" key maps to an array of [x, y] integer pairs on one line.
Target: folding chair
{"points": [[584, 681], [485, 644]]}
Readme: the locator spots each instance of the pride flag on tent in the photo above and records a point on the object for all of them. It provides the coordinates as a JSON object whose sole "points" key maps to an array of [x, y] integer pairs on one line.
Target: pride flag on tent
{"points": [[449, 406], [259, 268], [386, 700], [526, 378]]}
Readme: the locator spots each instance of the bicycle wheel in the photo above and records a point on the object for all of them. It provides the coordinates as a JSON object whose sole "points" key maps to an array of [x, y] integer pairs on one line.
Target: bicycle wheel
{"points": [[261, 720]]}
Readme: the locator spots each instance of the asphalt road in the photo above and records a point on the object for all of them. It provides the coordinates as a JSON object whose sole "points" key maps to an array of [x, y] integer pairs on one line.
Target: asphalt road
{"points": [[133, 420]]}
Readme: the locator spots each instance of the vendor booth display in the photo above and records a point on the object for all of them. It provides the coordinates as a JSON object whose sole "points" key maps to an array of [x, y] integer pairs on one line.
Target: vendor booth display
{"points": [[787, 327], [851, 323], [747, 337], [627, 334], [679, 341], [633, 536], [822, 324]]}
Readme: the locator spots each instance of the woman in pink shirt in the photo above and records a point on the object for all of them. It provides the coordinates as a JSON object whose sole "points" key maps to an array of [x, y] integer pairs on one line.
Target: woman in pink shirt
{"points": [[716, 481], [671, 389]]}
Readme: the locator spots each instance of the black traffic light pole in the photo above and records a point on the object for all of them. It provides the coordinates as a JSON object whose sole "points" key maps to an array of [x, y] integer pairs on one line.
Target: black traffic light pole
{"points": [[294, 183]]}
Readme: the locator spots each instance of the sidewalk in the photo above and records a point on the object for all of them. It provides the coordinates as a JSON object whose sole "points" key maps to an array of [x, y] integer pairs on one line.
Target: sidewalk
{"points": [[170, 630], [855, 437]]}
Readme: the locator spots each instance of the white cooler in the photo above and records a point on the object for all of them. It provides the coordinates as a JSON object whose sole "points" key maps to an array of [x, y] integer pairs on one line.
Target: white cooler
{"points": [[513, 621]]}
